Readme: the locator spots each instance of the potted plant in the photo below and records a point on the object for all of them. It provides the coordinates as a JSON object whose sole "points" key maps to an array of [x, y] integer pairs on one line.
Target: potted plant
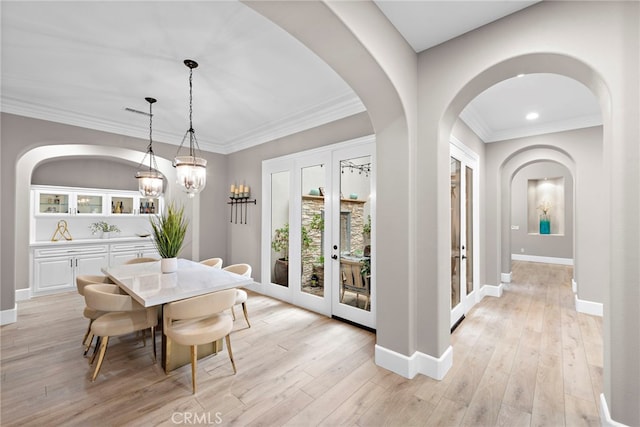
{"points": [[168, 230], [105, 229], [280, 244]]}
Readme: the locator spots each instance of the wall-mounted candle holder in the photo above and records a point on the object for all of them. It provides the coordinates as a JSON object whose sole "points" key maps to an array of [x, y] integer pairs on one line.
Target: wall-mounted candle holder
{"points": [[239, 199]]}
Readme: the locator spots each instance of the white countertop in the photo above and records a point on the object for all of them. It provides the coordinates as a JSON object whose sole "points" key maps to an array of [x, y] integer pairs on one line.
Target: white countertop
{"points": [[149, 286], [124, 239]]}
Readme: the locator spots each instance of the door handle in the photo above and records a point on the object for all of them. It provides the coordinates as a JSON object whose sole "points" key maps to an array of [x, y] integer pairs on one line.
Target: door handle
{"points": [[464, 257], [334, 256]]}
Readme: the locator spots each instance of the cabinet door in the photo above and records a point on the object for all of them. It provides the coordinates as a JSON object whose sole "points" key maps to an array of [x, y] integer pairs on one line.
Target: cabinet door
{"points": [[52, 203], [53, 274], [89, 204], [91, 264], [123, 205], [149, 206], [150, 253]]}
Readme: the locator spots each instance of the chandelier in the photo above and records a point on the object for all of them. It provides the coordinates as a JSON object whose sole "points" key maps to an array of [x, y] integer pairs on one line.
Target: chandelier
{"points": [[191, 170], [150, 180]]}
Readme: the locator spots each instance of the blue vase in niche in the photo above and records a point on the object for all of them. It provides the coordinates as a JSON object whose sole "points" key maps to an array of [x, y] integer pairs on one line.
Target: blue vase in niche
{"points": [[545, 224]]}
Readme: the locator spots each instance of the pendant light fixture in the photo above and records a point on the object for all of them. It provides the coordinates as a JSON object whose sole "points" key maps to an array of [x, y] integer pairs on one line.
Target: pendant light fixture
{"points": [[150, 180], [191, 170]]}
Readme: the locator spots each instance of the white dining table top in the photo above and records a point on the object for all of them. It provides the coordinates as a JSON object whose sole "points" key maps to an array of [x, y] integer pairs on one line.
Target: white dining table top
{"points": [[150, 287]]}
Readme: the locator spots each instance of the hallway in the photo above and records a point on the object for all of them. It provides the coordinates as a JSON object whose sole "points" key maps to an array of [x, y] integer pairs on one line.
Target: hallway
{"points": [[527, 358]]}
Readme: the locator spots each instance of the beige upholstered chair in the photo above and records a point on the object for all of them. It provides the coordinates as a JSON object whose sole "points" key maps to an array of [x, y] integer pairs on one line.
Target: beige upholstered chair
{"points": [[354, 281], [199, 320], [122, 315], [140, 260], [81, 282], [212, 262], [241, 296]]}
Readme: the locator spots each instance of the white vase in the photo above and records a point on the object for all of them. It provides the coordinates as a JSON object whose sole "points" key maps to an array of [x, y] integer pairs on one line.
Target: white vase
{"points": [[169, 265], [106, 234]]}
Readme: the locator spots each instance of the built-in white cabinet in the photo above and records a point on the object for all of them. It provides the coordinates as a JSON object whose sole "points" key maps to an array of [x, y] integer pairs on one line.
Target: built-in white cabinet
{"points": [[54, 269], [120, 253]]}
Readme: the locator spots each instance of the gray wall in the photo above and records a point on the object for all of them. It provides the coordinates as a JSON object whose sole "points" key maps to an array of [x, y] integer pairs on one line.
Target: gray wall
{"points": [[525, 241]]}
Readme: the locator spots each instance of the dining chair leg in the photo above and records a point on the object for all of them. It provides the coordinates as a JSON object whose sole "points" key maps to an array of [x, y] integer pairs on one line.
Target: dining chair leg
{"points": [[153, 341], [87, 343], [95, 350], [230, 353], [233, 313], [86, 334], [194, 366], [103, 349], [246, 316], [167, 355]]}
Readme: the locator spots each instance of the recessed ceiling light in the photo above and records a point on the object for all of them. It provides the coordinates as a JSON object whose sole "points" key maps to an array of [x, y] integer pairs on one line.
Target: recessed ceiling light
{"points": [[532, 115]]}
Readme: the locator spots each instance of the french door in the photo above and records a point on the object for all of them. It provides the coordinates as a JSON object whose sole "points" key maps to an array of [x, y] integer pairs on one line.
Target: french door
{"points": [[464, 230], [317, 235]]}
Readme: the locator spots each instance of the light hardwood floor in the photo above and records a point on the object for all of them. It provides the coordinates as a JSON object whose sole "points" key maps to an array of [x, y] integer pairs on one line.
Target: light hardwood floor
{"points": [[524, 359]]}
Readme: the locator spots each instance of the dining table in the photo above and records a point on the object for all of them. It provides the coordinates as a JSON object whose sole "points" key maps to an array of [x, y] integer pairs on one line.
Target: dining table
{"points": [[149, 286]]}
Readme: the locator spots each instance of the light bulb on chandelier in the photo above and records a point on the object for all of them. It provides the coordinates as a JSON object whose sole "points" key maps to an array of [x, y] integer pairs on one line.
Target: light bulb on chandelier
{"points": [[191, 170]]}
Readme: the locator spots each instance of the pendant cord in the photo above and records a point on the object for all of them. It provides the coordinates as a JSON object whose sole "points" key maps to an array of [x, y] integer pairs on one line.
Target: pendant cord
{"points": [[191, 131], [150, 148]]}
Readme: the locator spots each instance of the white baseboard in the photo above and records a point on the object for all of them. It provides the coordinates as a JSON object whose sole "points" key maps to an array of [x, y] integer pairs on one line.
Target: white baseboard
{"points": [[9, 316], [23, 294], [589, 307], [605, 416], [491, 291], [418, 363], [544, 259], [505, 277], [574, 286]]}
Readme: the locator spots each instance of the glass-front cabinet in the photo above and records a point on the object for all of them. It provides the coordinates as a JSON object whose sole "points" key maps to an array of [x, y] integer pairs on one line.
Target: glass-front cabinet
{"points": [[89, 204], [64, 201], [52, 203], [69, 203]]}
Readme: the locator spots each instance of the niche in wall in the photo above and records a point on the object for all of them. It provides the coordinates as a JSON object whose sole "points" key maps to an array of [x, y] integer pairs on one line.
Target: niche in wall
{"points": [[546, 195]]}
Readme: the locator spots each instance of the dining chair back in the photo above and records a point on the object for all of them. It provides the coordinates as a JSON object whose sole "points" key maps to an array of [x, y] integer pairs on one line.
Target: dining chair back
{"points": [[241, 295], [199, 320], [122, 315], [89, 313], [141, 260], [212, 262]]}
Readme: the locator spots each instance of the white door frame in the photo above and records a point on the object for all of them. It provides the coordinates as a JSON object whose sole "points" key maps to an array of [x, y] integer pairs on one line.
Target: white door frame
{"points": [[293, 163], [468, 157]]}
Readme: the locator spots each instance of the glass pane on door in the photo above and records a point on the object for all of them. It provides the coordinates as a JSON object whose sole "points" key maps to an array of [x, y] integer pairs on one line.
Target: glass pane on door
{"points": [[455, 231], [280, 228], [312, 186], [469, 228], [355, 232]]}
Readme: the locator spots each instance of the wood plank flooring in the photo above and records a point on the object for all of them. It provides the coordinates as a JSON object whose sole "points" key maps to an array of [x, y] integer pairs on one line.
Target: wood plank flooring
{"points": [[526, 359]]}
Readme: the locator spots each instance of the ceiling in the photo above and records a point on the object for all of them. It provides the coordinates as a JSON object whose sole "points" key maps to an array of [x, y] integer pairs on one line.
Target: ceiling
{"points": [[86, 63]]}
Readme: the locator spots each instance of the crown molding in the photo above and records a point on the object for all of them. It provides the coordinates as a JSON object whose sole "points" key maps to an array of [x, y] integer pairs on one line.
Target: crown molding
{"points": [[544, 128], [333, 109], [328, 111], [474, 120]]}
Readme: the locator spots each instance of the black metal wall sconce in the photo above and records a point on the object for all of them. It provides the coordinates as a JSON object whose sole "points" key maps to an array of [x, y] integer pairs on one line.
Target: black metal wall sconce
{"points": [[239, 199]]}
